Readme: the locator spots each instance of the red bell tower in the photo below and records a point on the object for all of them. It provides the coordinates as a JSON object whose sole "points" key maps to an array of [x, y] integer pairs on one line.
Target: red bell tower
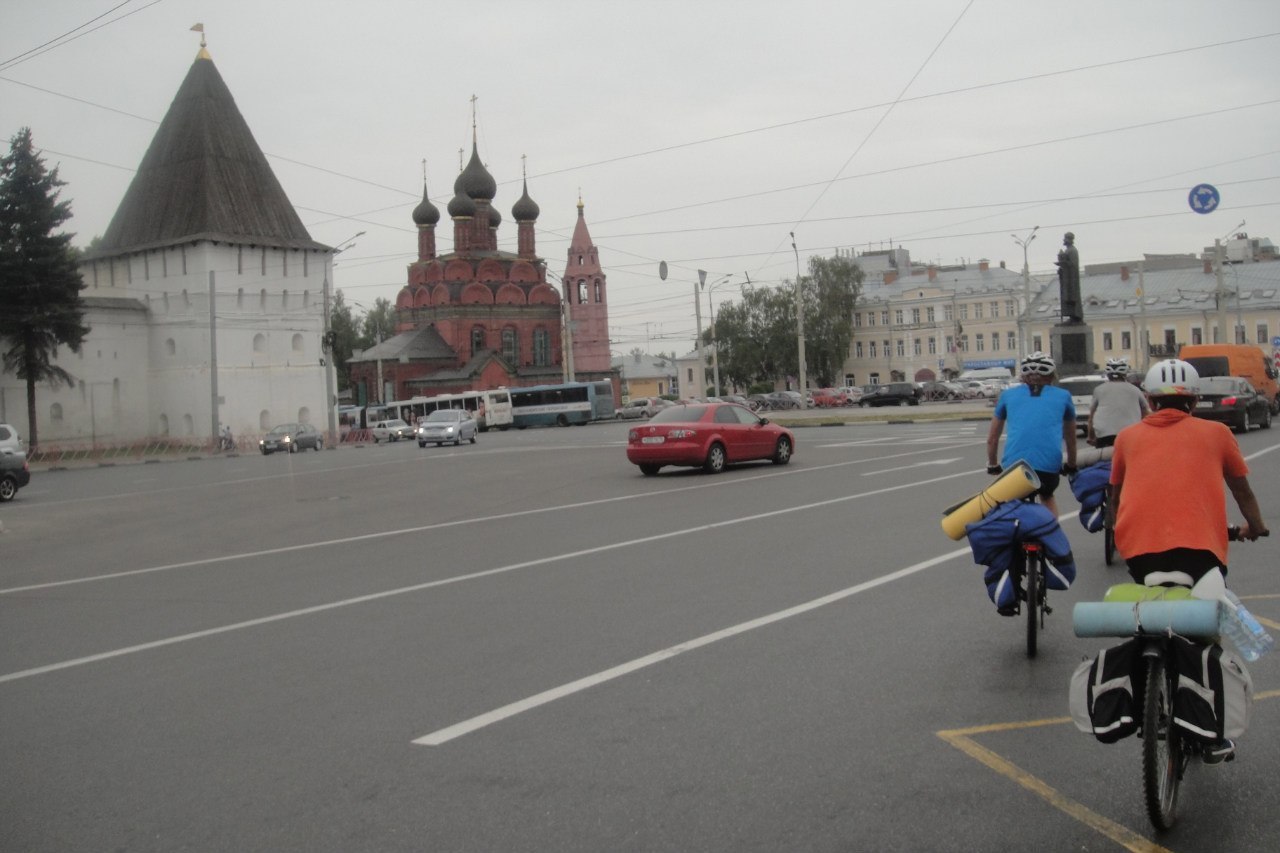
{"points": [[588, 297]]}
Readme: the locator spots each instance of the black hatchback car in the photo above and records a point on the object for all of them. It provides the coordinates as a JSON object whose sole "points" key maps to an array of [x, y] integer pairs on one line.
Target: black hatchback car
{"points": [[290, 438], [892, 394], [14, 474], [1232, 401]]}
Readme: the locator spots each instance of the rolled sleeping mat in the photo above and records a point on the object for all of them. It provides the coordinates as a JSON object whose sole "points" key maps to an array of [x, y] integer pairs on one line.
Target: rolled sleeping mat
{"points": [[1014, 484], [1188, 617], [1087, 456]]}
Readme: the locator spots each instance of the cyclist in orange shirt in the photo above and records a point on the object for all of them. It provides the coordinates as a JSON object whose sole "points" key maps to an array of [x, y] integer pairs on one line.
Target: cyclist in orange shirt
{"points": [[1166, 500]]}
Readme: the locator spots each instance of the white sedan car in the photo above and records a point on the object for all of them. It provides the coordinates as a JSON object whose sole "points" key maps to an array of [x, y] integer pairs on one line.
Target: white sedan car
{"points": [[392, 430], [445, 425]]}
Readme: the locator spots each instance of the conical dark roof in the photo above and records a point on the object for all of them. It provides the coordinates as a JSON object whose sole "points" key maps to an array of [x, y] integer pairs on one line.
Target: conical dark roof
{"points": [[204, 176]]}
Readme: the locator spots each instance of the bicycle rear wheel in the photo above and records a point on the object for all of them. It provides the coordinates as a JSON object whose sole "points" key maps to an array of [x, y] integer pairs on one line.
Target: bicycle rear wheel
{"points": [[1161, 749], [1034, 579]]}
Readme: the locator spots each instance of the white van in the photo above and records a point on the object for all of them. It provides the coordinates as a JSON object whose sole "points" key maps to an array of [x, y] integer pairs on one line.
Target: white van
{"points": [[1081, 390]]}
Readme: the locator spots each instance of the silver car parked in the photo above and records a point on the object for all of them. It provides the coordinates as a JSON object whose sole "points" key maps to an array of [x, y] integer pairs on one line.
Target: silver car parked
{"points": [[445, 425]]}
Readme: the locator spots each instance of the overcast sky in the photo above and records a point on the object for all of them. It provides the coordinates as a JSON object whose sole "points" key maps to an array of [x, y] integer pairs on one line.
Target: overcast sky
{"points": [[700, 133]]}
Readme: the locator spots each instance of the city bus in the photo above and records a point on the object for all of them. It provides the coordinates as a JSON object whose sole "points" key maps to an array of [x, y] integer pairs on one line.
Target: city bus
{"points": [[575, 403], [491, 408]]}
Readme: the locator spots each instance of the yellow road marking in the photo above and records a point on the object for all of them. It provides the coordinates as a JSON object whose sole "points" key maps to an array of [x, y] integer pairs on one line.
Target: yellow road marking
{"points": [[1122, 835], [1267, 622]]}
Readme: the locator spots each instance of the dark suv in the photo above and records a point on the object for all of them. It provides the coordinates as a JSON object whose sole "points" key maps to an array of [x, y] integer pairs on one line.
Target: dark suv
{"points": [[893, 394]]}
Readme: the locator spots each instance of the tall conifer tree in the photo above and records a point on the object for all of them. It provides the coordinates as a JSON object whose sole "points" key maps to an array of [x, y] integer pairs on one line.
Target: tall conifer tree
{"points": [[39, 284]]}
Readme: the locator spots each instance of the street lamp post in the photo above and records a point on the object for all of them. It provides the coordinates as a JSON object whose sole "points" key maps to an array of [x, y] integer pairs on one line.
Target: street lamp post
{"points": [[715, 345], [804, 379], [1026, 289], [327, 346]]}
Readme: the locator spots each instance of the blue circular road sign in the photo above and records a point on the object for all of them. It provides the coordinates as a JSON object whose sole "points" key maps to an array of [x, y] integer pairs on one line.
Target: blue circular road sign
{"points": [[1204, 198]]}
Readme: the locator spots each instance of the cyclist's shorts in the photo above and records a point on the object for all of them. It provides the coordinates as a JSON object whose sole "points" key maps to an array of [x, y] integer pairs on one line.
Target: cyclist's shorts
{"points": [[1193, 561], [1104, 441], [1048, 483]]}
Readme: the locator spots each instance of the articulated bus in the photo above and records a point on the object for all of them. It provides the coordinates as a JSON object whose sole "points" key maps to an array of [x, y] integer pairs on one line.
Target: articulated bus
{"points": [[490, 408], [569, 403]]}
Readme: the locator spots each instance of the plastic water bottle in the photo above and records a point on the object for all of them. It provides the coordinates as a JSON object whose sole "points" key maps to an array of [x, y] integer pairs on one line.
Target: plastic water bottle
{"points": [[1244, 631]]}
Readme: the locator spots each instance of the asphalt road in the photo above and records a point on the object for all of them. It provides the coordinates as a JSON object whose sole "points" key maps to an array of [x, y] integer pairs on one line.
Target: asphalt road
{"points": [[525, 645]]}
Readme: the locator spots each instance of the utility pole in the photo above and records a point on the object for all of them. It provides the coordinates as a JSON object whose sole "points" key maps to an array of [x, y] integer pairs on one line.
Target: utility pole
{"points": [[213, 360], [701, 375], [330, 392], [1220, 294], [1144, 348], [804, 379]]}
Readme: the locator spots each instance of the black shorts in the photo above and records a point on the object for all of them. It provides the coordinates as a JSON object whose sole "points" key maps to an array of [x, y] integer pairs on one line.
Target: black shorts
{"points": [[1190, 560], [1048, 483], [1104, 440]]}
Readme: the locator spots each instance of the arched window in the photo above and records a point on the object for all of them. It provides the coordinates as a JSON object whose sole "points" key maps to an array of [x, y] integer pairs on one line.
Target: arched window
{"points": [[55, 412], [297, 343], [582, 291], [598, 290], [188, 425], [264, 420], [170, 348], [304, 415], [541, 347], [477, 339], [164, 424], [259, 342], [509, 349]]}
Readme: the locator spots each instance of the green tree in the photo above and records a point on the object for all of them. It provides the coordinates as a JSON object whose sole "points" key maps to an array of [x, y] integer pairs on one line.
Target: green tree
{"points": [[830, 292], [378, 323], [346, 336], [757, 335], [39, 283]]}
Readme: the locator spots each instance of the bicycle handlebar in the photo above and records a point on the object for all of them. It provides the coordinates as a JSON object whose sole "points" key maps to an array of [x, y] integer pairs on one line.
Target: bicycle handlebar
{"points": [[1233, 533]]}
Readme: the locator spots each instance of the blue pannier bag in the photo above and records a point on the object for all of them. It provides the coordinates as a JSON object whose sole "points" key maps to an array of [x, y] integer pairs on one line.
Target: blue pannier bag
{"points": [[1089, 485], [994, 538]]}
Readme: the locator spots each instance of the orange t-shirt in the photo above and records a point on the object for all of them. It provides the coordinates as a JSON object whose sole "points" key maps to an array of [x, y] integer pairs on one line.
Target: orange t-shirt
{"points": [[1171, 467]]}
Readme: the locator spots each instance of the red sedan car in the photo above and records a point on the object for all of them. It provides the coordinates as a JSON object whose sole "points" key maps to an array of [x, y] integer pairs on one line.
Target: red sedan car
{"points": [[707, 435]]}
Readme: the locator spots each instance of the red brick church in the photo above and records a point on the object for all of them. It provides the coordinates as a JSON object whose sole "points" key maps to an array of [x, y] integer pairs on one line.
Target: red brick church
{"points": [[478, 317]]}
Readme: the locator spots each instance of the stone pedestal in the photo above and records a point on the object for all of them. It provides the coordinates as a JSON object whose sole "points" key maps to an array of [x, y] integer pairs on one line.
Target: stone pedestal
{"points": [[1073, 348]]}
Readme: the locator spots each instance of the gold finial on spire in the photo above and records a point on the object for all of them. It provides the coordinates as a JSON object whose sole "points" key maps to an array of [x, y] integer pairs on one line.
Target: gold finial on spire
{"points": [[424, 171], [579, 199], [524, 166], [459, 159], [473, 118], [203, 54]]}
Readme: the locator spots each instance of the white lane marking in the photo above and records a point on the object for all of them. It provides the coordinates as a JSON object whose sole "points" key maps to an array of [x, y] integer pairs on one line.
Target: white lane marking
{"points": [[457, 730], [405, 531], [913, 465], [499, 570]]}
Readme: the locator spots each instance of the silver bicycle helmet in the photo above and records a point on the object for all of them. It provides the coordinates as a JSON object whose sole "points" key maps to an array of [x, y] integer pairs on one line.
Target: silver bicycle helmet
{"points": [[1038, 363], [1117, 367], [1172, 378]]}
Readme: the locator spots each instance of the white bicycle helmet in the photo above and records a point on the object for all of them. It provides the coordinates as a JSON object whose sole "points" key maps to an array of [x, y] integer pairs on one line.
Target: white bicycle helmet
{"points": [[1172, 378], [1038, 363], [1117, 367]]}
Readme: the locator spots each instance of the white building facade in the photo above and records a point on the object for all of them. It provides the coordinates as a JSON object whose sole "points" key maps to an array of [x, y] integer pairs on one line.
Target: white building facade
{"points": [[205, 298]]}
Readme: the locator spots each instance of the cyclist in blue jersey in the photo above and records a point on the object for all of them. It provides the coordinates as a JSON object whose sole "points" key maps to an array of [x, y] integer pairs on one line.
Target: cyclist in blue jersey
{"points": [[1041, 419]]}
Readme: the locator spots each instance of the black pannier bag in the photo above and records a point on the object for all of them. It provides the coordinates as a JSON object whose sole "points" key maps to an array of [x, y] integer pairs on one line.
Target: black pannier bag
{"points": [[1214, 694], [1106, 693]]}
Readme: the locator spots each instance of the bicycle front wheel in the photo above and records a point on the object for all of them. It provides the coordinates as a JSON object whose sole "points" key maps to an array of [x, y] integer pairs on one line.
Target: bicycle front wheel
{"points": [[1161, 748], [1034, 579]]}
